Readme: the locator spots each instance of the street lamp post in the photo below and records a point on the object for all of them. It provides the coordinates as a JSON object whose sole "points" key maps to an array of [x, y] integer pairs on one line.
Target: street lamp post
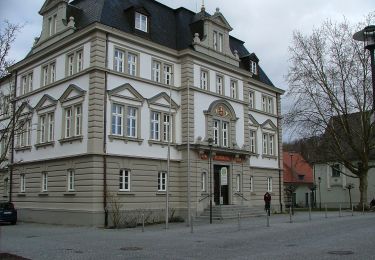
{"points": [[367, 35], [210, 141]]}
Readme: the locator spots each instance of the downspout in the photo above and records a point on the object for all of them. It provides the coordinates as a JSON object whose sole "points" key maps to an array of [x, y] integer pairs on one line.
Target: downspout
{"points": [[279, 150], [105, 137], [12, 138]]}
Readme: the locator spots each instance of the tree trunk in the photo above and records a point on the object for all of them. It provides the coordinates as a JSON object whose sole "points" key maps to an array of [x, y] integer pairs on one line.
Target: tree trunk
{"points": [[363, 183]]}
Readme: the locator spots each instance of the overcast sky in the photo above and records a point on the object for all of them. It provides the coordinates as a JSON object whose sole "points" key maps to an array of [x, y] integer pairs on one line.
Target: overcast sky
{"points": [[266, 26]]}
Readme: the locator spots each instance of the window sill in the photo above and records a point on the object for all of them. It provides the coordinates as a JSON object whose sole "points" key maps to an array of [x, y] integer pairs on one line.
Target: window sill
{"points": [[46, 144], [125, 193], [71, 139], [162, 193], [21, 195], [162, 143], [69, 194], [269, 156], [125, 139], [24, 148], [43, 194]]}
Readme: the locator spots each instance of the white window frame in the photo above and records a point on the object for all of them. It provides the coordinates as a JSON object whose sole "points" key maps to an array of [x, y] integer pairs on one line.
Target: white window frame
{"points": [[221, 41], [132, 63], [204, 79], [267, 104], [167, 127], [233, 88], [215, 40], [44, 181], [253, 67], [265, 143], [220, 84], [252, 99], [79, 60], [75, 62], [168, 74], [269, 184], [162, 181], [117, 119], [24, 134], [77, 120], [224, 133], [68, 122], [22, 183], [131, 121], [156, 71], [26, 83], [141, 22], [253, 137], [119, 60], [221, 132], [124, 180], [73, 122], [46, 127], [71, 180], [155, 126], [268, 140]]}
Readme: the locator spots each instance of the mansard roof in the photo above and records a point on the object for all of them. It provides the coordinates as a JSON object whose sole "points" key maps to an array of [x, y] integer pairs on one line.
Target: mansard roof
{"points": [[169, 27]]}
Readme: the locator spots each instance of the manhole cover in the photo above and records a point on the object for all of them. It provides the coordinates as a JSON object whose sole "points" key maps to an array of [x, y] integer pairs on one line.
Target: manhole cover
{"points": [[341, 252], [130, 248]]}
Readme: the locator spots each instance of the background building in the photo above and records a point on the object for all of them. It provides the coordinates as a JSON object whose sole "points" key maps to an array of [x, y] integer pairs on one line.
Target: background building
{"points": [[109, 86]]}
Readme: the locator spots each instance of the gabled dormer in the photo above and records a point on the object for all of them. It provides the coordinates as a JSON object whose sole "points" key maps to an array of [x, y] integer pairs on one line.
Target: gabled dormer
{"points": [[250, 63], [140, 20], [56, 23], [211, 36]]}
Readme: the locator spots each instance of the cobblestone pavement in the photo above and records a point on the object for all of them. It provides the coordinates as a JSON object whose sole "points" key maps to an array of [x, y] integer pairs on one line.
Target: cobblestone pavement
{"points": [[346, 237]]}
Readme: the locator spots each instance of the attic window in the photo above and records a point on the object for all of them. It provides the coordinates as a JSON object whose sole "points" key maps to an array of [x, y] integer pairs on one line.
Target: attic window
{"points": [[141, 22], [253, 67]]}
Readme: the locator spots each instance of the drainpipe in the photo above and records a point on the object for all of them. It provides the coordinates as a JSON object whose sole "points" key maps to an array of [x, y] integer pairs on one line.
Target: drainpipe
{"points": [[12, 138], [279, 150], [105, 137]]}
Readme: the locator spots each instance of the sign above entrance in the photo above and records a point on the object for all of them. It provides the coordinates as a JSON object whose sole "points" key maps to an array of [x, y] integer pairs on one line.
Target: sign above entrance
{"points": [[224, 176]]}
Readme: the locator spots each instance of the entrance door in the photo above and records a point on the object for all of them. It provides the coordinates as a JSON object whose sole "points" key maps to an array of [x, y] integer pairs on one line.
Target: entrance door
{"points": [[221, 180]]}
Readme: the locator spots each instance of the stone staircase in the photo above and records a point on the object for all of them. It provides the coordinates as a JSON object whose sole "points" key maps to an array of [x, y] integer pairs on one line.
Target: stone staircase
{"points": [[231, 212]]}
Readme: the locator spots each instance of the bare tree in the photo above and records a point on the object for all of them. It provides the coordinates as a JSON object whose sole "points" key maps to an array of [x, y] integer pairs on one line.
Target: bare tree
{"points": [[330, 81], [8, 33]]}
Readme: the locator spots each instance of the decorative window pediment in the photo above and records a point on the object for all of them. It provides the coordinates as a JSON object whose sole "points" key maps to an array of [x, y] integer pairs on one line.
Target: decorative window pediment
{"points": [[25, 109], [46, 102], [269, 125], [253, 122], [221, 108], [125, 91], [220, 20], [49, 4], [73, 92], [162, 100]]}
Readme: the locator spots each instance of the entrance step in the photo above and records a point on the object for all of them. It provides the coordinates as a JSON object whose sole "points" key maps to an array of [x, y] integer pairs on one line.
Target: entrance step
{"points": [[231, 212]]}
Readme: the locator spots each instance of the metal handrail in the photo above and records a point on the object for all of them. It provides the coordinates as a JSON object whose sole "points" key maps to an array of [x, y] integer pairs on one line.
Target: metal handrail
{"points": [[240, 195]]}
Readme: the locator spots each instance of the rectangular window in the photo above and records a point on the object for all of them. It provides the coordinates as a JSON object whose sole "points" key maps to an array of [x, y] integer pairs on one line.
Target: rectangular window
{"points": [[251, 99], [155, 126], [117, 119], [204, 80], [238, 183], [45, 76], [79, 55], [68, 122], [253, 67], [219, 85], [132, 64], [55, 23], [50, 26], [24, 134], [216, 130], [78, 120], [71, 180], [167, 74], [43, 126], [162, 181], [203, 181], [336, 170], [251, 183], [252, 141], [52, 72], [51, 127], [124, 180], [215, 39], [224, 131], [221, 40], [24, 89], [167, 128], [269, 184], [265, 144], [233, 89], [132, 122], [29, 82], [267, 104], [70, 64], [156, 71], [271, 144], [22, 183], [141, 22], [26, 84], [44, 181], [119, 61]]}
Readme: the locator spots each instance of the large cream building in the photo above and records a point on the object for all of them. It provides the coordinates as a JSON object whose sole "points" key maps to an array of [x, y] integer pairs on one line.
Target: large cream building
{"points": [[111, 84]]}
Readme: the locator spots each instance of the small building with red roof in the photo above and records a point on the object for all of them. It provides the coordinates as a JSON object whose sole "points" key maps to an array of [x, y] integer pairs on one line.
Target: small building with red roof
{"points": [[298, 180]]}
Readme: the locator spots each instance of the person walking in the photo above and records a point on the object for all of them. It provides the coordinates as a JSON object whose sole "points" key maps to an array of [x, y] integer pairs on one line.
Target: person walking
{"points": [[267, 203]]}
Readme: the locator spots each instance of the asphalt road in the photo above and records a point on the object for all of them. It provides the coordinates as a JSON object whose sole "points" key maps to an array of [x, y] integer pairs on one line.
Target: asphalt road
{"points": [[346, 237]]}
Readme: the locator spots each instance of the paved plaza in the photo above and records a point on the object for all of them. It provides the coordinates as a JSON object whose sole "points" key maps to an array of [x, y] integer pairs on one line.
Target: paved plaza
{"points": [[345, 237]]}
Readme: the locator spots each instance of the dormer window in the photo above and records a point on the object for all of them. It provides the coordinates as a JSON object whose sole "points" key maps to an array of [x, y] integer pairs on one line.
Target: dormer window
{"points": [[52, 25], [253, 67], [141, 22], [218, 41]]}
